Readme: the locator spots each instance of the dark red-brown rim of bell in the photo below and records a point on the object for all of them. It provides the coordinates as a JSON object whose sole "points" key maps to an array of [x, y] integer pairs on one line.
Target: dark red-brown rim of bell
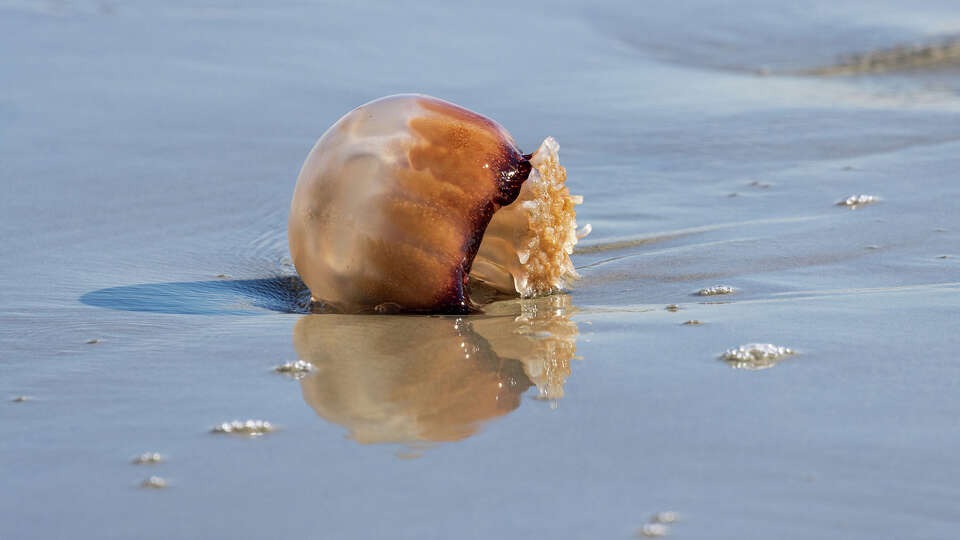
{"points": [[514, 170], [512, 176]]}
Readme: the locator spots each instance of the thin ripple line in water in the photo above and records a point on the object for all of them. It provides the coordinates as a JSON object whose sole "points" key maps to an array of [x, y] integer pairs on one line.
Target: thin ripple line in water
{"points": [[640, 240]]}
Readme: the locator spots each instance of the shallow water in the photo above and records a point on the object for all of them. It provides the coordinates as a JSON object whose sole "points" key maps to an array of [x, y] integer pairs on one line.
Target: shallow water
{"points": [[148, 153]]}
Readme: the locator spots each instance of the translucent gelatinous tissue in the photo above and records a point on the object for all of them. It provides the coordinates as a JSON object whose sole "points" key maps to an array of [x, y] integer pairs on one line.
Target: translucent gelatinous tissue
{"points": [[527, 245], [407, 198]]}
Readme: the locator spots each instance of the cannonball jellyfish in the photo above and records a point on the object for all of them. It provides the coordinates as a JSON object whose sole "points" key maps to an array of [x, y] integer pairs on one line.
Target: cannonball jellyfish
{"points": [[407, 198]]}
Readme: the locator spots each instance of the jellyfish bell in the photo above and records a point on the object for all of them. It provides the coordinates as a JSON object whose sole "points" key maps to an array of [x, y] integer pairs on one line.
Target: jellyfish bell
{"points": [[404, 200]]}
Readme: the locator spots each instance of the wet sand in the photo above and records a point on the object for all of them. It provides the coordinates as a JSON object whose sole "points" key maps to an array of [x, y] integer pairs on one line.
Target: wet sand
{"points": [[148, 153]]}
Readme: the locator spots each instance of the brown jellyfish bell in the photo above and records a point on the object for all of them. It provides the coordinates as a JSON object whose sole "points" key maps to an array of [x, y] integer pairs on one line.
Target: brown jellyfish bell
{"points": [[457, 375], [408, 198]]}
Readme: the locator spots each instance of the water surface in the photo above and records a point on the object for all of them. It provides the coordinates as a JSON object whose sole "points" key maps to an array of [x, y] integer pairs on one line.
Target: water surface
{"points": [[148, 152]]}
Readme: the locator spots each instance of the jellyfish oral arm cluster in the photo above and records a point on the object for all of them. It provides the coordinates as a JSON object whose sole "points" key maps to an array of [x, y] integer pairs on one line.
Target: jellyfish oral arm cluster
{"points": [[527, 245], [406, 199]]}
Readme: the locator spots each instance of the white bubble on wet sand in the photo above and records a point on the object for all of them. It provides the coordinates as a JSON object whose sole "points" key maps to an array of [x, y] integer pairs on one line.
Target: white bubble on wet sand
{"points": [[154, 482], [754, 356], [148, 458], [252, 428], [665, 517], [716, 290], [297, 370], [653, 530], [856, 201]]}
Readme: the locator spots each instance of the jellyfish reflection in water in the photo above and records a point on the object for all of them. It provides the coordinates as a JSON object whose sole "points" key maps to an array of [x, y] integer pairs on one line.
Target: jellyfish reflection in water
{"points": [[422, 379]]}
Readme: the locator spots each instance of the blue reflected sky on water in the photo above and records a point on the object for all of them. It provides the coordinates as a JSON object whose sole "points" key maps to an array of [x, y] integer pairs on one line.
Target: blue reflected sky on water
{"points": [[147, 148]]}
